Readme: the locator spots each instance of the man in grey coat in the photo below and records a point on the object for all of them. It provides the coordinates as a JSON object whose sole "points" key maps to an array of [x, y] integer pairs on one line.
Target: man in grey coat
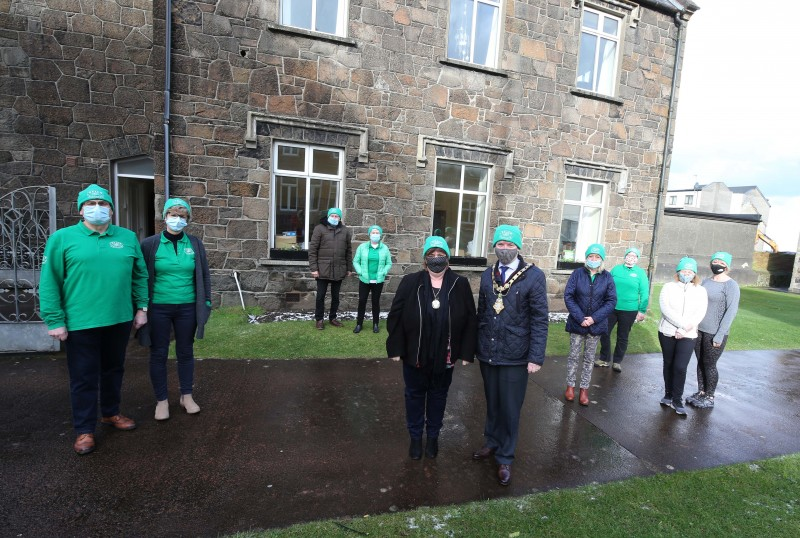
{"points": [[330, 257]]}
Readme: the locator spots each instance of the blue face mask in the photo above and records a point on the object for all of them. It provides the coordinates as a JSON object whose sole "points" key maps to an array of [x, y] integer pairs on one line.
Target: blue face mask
{"points": [[375, 238], [96, 214], [333, 222], [176, 224], [593, 264], [685, 278]]}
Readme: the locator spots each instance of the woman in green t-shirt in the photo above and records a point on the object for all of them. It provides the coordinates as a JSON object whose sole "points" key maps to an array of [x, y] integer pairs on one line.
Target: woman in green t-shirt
{"points": [[180, 301]]}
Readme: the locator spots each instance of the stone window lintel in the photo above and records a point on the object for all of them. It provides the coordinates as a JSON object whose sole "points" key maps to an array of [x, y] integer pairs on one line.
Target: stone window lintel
{"points": [[253, 118], [424, 140]]}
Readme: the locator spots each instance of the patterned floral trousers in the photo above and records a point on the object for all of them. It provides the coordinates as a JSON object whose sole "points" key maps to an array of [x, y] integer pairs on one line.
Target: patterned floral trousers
{"points": [[581, 347]]}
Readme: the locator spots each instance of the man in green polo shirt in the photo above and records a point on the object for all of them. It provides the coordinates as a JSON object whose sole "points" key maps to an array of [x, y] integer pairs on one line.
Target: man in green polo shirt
{"points": [[93, 274]]}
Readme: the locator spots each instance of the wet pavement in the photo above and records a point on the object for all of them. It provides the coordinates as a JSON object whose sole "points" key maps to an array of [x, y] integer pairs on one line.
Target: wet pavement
{"points": [[281, 442]]}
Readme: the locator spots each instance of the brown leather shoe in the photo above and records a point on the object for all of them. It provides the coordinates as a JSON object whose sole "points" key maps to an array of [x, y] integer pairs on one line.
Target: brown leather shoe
{"points": [[569, 395], [504, 474], [336, 323], [583, 397], [119, 422], [483, 453], [320, 325], [84, 444]]}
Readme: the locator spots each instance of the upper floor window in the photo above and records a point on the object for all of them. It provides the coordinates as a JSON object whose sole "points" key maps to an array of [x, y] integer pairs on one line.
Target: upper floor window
{"points": [[307, 181], [474, 31], [689, 200], [581, 221], [599, 53], [326, 16], [673, 200], [459, 207]]}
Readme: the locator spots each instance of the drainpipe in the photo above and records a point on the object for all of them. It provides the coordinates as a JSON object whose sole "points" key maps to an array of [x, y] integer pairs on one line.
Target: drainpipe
{"points": [[167, 87], [651, 268]]}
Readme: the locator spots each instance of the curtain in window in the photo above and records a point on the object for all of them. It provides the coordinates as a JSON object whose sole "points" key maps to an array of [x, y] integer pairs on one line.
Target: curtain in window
{"points": [[607, 67], [459, 42]]}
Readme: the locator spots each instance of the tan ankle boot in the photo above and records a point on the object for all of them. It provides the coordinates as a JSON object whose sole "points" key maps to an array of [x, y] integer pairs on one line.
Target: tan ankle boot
{"points": [[162, 410], [583, 397], [569, 395], [188, 403]]}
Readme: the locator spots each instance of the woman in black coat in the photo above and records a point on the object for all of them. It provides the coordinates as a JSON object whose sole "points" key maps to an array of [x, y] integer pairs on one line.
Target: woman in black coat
{"points": [[432, 324]]}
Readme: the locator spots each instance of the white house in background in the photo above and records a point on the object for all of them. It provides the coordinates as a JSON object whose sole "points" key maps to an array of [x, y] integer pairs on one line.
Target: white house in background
{"points": [[718, 198]]}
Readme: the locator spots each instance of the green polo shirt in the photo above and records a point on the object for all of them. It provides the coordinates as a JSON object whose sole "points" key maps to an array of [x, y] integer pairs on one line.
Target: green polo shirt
{"points": [[91, 279], [174, 280], [633, 288]]}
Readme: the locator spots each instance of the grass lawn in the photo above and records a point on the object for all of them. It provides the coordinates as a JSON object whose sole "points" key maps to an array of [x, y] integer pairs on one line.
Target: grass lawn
{"points": [[744, 500], [766, 320]]}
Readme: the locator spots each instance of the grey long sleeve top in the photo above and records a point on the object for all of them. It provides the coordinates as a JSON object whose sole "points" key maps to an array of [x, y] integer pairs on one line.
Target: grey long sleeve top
{"points": [[723, 304]]}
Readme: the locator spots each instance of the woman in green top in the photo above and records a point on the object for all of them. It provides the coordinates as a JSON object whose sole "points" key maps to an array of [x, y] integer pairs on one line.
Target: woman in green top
{"points": [[633, 294], [372, 263], [180, 300]]}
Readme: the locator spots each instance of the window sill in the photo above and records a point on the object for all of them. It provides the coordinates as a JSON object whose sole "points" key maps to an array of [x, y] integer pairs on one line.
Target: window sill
{"points": [[569, 266], [594, 95], [285, 257], [474, 67], [280, 28]]}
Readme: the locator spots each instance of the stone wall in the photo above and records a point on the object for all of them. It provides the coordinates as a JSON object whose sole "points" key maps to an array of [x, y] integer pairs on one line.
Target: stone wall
{"points": [[231, 58], [81, 85], [76, 92]]}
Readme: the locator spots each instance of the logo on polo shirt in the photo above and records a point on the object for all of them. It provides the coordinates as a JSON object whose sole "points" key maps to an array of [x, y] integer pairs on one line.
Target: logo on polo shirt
{"points": [[189, 251], [116, 244]]}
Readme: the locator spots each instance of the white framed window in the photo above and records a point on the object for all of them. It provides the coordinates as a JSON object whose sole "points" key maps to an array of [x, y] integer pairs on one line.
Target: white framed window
{"points": [[688, 200], [325, 16], [307, 181], [473, 33], [459, 207], [673, 200], [598, 58], [581, 221]]}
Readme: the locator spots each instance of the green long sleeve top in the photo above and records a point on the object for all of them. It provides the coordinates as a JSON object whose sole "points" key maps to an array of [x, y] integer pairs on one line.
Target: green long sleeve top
{"points": [[91, 279], [633, 288]]}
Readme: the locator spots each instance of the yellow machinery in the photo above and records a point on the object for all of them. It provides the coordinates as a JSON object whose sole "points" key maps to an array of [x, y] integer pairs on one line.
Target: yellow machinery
{"points": [[765, 238]]}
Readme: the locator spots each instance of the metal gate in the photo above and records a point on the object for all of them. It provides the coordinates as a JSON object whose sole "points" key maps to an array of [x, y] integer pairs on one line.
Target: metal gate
{"points": [[27, 218]]}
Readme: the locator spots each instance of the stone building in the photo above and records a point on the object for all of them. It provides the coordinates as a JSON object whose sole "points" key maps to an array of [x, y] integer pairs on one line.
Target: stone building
{"points": [[441, 115]]}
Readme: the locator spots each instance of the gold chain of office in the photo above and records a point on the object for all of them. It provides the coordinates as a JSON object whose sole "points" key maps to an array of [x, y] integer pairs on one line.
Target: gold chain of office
{"points": [[500, 291]]}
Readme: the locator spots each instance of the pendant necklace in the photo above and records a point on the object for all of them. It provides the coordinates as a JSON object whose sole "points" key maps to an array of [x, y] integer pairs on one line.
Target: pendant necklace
{"points": [[435, 303]]}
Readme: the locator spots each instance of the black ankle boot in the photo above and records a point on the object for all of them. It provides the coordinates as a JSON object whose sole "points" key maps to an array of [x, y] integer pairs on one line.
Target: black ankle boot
{"points": [[357, 329], [432, 447], [375, 328], [415, 449]]}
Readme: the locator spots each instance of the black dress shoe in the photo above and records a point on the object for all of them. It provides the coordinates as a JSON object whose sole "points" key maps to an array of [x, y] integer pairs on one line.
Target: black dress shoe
{"points": [[432, 447], [376, 328], [483, 453], [415, 449], [357, 329], [504, 474]]}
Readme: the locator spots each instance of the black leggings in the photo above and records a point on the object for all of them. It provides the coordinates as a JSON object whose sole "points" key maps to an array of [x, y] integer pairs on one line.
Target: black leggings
{"points": [[677, 353], [707, 357], [363, 291]]}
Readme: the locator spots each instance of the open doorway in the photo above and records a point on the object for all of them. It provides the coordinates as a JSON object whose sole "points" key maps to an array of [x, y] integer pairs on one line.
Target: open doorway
{"points": [[134, 195]]}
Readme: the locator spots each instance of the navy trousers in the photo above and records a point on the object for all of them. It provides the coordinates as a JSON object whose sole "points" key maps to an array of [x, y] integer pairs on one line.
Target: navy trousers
{"points": [[504, 387], [96, 363], [182, 318], [426, 399]]}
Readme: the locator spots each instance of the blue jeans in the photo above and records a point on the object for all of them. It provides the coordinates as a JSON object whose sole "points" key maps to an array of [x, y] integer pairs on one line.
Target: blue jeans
{"points": [[162, 318], [96, 362]]}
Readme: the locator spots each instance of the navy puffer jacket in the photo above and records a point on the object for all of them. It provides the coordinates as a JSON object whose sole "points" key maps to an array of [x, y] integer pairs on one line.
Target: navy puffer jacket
{"points": [[585, 297], [518, 334]]}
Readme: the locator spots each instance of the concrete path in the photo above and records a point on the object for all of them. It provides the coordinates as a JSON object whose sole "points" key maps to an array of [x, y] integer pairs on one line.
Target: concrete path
{"points": [[280, 442]]}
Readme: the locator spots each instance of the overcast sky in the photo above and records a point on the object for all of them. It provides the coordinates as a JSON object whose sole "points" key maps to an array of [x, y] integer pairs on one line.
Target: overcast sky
{"points": [[738, 105]]}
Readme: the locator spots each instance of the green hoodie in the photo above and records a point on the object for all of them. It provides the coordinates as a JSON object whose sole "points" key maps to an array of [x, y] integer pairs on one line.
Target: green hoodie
{"points": [[633, 288], [90, 279]]}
